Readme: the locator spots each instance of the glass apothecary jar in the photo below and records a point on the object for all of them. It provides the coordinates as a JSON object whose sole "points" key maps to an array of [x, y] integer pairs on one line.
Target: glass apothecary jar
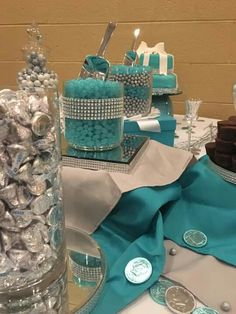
{"points": [[137, 82], [47, 295], [93, 112], [36, 74], [31, 211]]}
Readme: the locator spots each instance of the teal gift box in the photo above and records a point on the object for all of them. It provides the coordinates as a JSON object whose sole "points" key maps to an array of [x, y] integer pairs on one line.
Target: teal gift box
{"points": [[167, 126]]}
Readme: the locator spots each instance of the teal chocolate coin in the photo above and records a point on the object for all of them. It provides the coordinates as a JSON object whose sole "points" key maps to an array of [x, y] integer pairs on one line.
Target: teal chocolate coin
{"points": [[138, 270], [204, 310], [195, 238], [158, 290]]}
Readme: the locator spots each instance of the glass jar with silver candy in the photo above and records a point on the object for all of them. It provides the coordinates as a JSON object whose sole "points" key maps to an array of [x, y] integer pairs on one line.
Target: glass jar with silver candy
{"points": [[36, 74], [31, 212]]}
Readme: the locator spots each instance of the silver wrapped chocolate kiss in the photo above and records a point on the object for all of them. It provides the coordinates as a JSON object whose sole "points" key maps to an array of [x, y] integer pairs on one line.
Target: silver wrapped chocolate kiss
{"points": [[30, 202]]}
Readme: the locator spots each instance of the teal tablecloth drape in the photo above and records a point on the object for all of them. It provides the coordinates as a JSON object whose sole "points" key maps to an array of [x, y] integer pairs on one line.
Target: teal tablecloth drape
{"points": [[136, 227], [208, 204]]}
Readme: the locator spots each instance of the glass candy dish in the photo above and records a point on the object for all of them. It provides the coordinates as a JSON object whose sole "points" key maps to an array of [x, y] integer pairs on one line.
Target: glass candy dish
{"points": [[36, 75], [93, 112], [86, 271], [32, 217], [137, 82]]}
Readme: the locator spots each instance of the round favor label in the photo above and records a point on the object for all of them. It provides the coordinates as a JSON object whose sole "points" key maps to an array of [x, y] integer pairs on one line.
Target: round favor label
{"points": [[138, 270], [195, 238]]}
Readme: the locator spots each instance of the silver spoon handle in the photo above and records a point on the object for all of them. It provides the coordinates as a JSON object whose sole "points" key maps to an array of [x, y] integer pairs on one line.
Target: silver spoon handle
{"points": [[136, 35], [107, 36]]}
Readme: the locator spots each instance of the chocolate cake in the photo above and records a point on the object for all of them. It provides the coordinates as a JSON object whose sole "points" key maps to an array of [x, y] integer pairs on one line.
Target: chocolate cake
{"points": [[232, 118], [223, 150]]}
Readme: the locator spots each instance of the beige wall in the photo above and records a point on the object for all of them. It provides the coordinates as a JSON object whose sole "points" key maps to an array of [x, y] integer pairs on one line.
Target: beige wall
{"points": [[200, 33]]}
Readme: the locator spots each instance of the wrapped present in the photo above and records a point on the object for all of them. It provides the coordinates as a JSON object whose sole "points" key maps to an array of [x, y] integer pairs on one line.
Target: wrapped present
{"points": [[158, 128]]}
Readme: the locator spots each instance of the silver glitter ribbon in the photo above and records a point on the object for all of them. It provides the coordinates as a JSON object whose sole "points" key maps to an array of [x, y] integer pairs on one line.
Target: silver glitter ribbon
{"points": [[164, 91], [93, 109], [227, 175]]}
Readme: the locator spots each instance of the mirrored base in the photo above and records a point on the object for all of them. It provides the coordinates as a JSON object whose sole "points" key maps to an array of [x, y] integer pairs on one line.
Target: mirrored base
{"points": [[120, 159]]}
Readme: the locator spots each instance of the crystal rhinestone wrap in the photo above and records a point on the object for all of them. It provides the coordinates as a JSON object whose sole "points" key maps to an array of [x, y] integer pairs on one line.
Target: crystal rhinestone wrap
{"points": [[224, 173], [95, 164], [93, 109], [86, 272], [164, 91]]}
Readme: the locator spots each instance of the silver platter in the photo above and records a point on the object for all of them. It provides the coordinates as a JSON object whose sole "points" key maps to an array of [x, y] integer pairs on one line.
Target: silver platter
{"points": [[227, 175]]}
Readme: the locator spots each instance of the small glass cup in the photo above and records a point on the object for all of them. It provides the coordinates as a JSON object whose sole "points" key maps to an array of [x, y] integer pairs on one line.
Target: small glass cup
{"points": [[191, 114], [191, 109]]}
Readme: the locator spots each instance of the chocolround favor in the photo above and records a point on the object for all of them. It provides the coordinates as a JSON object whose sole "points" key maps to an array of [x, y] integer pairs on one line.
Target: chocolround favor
{"points": [[234, 163], [224, 146], [210, 150], [223, 160]]}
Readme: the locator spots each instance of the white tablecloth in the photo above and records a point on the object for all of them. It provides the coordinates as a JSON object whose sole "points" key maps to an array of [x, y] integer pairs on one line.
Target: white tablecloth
{"points": [[202, 129]]}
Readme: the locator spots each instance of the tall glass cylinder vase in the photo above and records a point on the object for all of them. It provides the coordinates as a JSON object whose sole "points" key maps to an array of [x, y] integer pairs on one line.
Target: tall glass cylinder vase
{"points": [[137, 82], [163, 103], [32, 254]]}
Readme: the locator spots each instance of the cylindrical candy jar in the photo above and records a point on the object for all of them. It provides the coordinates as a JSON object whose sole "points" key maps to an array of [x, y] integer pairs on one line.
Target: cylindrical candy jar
{"points": [[31, 212], [48, 295], [93, 112], [36, 74], [137, 82]]}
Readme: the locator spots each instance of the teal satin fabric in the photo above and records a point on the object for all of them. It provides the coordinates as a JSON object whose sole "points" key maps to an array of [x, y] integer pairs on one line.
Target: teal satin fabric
{"points": [[199, 200], [208, 204], [133, 229]]}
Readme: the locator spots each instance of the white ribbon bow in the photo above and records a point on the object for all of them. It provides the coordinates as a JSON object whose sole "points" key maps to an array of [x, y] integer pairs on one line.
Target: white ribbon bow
{"points": [[148, 123], [159, 48]]}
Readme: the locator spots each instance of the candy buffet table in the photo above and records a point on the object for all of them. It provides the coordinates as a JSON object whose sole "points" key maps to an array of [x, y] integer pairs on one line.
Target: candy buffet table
{"points": [[150, 215]]}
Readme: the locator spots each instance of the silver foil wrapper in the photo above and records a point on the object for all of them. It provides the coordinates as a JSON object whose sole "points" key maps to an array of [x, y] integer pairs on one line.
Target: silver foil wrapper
{"points": [[30, 204]]}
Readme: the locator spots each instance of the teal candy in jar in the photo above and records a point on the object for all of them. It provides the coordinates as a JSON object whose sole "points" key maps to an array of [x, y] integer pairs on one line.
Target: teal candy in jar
{"points": [[93, 111]]}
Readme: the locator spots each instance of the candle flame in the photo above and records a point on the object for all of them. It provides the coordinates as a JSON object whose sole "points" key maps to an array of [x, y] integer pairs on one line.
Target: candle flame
{"points": [[137, 32]]}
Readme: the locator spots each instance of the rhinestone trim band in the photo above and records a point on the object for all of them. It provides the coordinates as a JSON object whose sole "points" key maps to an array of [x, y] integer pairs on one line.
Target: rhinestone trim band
{"points": [[164, 91], [224, 173], [93, 109], [85, 273]]}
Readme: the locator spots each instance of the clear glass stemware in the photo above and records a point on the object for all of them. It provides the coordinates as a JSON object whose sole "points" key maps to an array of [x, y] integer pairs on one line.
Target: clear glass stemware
{"points": [[191, 114]]}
